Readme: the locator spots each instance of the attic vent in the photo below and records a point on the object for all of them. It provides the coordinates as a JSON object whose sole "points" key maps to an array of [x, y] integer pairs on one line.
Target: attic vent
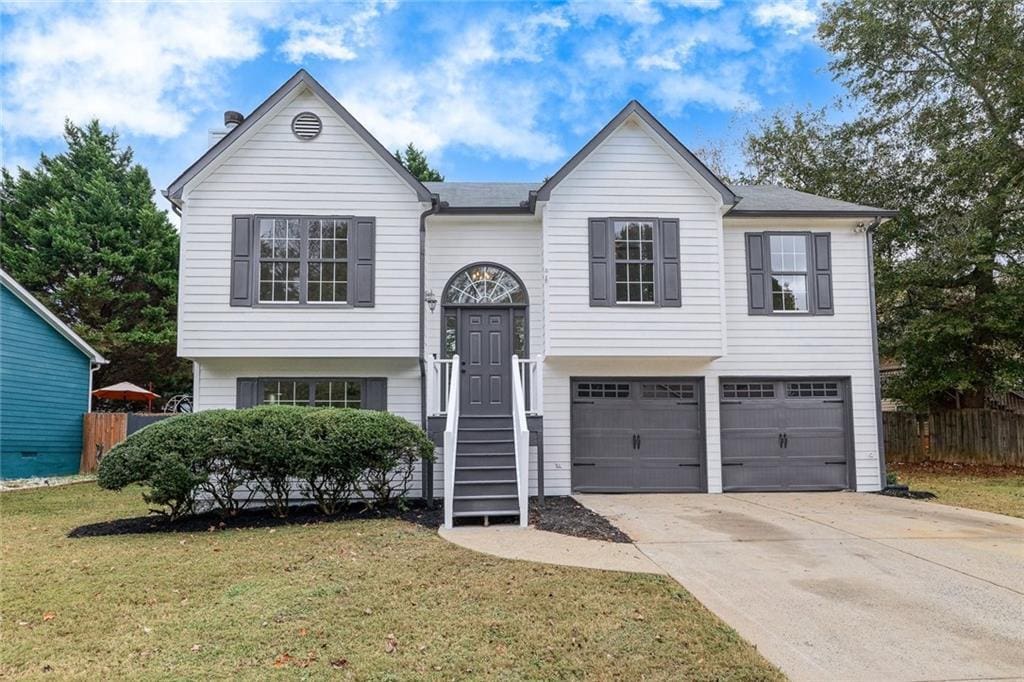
{"points": [[306, 125]]}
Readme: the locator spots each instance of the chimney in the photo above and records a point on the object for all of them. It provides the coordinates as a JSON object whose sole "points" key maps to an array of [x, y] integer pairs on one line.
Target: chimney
{"points": [[231, 120]]}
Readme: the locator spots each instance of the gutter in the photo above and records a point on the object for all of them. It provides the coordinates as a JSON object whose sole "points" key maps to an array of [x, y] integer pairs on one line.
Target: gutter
{"points": [[427, 480], [174, 205], [93, 366], [874, 349]]}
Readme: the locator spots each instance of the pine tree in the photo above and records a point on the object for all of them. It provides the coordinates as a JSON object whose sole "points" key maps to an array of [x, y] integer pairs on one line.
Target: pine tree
{"points": [[81, 232], [416, 163]]}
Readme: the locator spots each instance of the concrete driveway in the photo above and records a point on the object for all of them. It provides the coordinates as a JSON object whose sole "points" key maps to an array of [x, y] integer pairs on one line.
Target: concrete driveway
{"points": [[845, 586]]}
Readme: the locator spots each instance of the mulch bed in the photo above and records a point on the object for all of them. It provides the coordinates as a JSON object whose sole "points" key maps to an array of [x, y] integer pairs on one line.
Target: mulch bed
{"points": [[558, 514], [567, 516]]}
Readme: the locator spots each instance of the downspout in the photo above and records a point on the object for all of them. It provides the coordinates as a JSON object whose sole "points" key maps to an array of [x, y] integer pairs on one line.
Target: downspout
{"points": [[874, 350], [93, 366], [427, 480]]}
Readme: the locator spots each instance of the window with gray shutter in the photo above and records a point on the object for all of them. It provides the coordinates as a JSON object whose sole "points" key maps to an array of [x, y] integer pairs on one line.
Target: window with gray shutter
{"points": [[634, 261], [242, 260], [299, 260], [789, 273]]}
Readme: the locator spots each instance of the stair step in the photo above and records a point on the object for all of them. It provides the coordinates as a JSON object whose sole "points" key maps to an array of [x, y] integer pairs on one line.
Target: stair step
{"points": [[478, 489], [480, 474], [498, 512], [475, 459], [501, 446], [486, 504]]}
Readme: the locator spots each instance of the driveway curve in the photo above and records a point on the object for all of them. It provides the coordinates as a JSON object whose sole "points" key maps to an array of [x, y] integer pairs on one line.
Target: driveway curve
{"points": [[845, 586]]}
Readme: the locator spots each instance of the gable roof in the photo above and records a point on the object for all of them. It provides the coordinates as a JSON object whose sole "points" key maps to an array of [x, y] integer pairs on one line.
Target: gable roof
{"points": [[301, 77], [635, 108], [42, 311], [772, 200]]}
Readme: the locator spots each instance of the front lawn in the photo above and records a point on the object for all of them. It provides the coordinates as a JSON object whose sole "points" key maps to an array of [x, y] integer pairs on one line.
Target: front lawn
{"points": [[360, 599], [985, 487]]}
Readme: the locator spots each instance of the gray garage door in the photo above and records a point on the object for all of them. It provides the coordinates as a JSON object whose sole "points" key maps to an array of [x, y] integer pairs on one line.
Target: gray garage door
{"points": [[785, 434], [637, 435]]}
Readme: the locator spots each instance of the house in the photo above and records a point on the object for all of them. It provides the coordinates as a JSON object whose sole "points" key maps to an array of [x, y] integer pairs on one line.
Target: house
{"points": [[45, 382], [632, 324]]}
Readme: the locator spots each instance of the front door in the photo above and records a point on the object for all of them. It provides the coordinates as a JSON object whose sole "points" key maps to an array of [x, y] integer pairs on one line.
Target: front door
{"points": [[485, 350]]}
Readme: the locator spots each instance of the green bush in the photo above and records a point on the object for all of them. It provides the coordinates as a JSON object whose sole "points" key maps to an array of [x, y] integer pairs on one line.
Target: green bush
{"points": [[230, 455]]}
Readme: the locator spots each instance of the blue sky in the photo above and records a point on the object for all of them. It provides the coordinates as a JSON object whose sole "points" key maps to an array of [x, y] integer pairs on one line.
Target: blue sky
{"points": [[492, 91]]}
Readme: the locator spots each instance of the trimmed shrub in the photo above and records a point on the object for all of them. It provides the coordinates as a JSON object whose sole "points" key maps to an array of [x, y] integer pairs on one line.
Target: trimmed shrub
{"points": [[334, 454]]}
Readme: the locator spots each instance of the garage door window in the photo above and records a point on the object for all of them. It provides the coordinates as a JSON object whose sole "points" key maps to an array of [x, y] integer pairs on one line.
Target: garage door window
{"points": [[760, 390], [677, 391], [812, 389], [602, 390]]}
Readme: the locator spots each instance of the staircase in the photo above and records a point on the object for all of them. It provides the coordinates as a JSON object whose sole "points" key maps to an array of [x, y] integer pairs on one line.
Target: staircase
{"points": [[485, 469]]}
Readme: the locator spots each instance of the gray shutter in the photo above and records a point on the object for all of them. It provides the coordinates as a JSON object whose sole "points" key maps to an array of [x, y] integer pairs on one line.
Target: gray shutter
{"points": [[361, 261], [375, 395], [602, 265], [247, 393], [243, 260], [822, 251], [670, 296], [758, 300]]}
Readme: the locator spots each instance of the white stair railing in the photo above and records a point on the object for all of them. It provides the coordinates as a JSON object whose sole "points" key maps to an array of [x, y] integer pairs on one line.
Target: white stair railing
{"points": [[451, 440], [521, 437], [532, 378], [439, 373]]}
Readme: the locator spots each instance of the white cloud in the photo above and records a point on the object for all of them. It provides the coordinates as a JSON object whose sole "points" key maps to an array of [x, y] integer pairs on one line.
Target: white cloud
{"points": [[143, 68], [330, 36], [793, 16], [460, 98], [604, 56], [723, 91], [642, 12]]}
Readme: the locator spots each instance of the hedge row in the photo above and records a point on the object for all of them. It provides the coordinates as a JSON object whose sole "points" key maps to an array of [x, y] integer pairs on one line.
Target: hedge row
{"points": [[333, 455]]}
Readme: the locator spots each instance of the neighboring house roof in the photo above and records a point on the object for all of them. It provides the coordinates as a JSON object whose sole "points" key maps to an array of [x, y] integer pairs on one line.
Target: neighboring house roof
{"points": [[42, 311], [484, 194], [301, 78], [769, 200], [634, 108]]}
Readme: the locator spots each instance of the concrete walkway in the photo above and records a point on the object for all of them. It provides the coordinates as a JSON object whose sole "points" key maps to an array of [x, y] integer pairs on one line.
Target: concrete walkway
{"points": [[530, 544], [845, 586]]}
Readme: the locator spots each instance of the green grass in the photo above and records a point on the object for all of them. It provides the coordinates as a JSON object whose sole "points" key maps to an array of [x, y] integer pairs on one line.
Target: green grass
{"points": [[988, 488], [311, 602]]}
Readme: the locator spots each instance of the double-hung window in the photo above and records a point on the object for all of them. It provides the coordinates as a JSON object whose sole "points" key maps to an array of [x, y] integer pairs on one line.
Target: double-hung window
{"points": [[634, 261], [299, 260], [789, 273]]}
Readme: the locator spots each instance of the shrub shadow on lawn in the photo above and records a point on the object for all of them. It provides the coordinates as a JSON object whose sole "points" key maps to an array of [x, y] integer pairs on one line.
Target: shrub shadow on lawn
{"points": [[415, 511], [558, 515]]}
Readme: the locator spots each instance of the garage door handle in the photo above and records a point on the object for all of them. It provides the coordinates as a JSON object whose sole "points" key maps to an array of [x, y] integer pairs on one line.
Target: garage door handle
{"points": [[780, 441], [785, 440]]}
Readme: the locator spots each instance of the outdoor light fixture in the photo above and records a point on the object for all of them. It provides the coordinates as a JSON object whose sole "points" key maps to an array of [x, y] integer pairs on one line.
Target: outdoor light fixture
{"points": [[431, 300]]}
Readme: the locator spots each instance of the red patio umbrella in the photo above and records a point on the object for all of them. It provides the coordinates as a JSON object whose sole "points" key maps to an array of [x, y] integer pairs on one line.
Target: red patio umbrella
{"points": [[127, 391]]}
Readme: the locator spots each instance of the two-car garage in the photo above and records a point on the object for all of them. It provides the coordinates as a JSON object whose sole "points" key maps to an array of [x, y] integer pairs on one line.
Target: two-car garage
{"points": [[647, 434]]}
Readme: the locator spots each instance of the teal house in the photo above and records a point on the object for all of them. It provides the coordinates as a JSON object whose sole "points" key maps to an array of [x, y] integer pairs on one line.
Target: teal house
{"points": [[45, 384]]}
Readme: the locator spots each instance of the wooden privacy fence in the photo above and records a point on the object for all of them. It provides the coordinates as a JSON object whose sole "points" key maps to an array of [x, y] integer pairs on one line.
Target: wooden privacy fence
{"points": [[100, 432], [103, 430], [970, 435]]}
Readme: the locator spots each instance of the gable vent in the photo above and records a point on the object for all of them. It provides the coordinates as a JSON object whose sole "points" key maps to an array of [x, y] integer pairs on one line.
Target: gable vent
{"points": [[307, 125]]}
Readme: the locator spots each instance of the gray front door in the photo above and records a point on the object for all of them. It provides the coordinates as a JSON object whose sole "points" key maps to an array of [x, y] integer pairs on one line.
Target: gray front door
{"points": [[486, 352], [637, 435], [784, 434]]}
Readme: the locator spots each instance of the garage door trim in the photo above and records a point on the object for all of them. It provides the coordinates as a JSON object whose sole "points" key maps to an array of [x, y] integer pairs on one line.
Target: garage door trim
{"points": [[846, 389], [701, 395]]}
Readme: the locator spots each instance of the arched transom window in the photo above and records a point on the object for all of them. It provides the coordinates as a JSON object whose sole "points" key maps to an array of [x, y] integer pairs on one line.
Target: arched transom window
{"points": [[484, 284]]}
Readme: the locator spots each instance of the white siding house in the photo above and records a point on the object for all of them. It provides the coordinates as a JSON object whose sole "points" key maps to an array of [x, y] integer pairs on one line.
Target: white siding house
{"points": [[634, 322]]}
